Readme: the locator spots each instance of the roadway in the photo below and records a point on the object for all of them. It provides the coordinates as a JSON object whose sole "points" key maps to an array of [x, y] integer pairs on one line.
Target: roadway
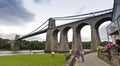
{"points": [[91, 60]]}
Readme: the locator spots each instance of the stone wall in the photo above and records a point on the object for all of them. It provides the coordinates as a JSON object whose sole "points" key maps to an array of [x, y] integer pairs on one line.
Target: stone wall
{"points": [[115, 57], [71, 61]]}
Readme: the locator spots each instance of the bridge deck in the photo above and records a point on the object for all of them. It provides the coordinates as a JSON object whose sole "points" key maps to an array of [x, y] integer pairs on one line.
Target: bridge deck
{"points": [[91, 60]]}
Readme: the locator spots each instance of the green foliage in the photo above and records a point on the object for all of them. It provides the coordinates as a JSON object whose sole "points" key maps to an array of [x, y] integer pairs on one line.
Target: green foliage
{"points": [[24, 45], [33, 60], [70, 45], [4, 44], [117, 42], [68, 55], [86, 45], [118, 49], [108, 56], [102, 52], [35, 45], [103, 43]]}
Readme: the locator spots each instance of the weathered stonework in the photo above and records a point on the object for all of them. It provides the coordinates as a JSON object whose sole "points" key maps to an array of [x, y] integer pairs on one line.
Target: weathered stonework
{"points": [[115, 57], [52, 31]]}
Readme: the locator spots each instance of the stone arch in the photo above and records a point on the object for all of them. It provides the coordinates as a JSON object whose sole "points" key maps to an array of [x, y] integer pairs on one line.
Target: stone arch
{"points": [[65, 30], [64, 46], [77, 41], [98, 23], [80, 26], [55, 39], [55, 32], [95, 37]]}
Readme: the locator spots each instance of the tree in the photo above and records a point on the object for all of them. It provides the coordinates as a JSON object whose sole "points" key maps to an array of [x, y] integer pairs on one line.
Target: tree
{"points": [[4, 44]]}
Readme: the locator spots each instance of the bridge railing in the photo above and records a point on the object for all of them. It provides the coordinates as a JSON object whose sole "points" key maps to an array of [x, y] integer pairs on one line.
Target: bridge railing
{"points": [[114, 27], [111, 28]]}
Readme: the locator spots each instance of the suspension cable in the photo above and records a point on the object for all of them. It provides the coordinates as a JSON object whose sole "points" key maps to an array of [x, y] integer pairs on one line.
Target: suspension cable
{"points": [[44, 27], [93, 13], [72, 17], [39, 26]]}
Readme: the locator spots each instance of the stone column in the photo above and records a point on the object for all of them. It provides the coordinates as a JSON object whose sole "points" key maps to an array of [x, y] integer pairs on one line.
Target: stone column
{"points": [[50, 41], [95, 38], [54, 44], [64, 45], [77, 43]]}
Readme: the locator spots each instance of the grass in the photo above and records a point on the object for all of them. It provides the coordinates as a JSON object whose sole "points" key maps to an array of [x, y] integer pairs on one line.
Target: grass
{"points": [[33, 60]]}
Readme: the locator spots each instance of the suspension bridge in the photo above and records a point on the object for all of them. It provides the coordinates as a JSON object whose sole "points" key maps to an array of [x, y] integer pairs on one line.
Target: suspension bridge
{"points": [[94, 19]]}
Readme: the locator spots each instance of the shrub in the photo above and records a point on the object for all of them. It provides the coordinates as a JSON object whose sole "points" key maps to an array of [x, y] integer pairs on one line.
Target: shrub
{"points": [[108, 56], [110, 45], [117, 42], [103, 43], [68, 55], [118, 49], [100, 48]]}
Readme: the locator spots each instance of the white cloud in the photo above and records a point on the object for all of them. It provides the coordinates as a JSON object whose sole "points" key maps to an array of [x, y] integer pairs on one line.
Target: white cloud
{"points": [[42, 1], [43, 9]]}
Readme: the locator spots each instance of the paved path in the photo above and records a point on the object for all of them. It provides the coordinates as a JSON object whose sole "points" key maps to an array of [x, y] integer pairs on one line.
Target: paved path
{"points": [[91, 60]]}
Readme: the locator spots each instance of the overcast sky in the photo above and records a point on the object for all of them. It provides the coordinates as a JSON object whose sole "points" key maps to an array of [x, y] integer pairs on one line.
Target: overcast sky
{"points": [[23, 16]]}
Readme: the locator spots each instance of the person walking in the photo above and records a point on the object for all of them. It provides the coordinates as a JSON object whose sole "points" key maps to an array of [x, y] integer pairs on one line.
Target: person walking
{"points": [[30, 51], [82, 56], [78, 54]]}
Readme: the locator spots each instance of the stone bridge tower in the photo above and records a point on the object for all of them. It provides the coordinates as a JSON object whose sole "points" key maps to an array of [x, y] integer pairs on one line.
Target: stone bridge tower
{"points": [[51, 43], [15, 45]]}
